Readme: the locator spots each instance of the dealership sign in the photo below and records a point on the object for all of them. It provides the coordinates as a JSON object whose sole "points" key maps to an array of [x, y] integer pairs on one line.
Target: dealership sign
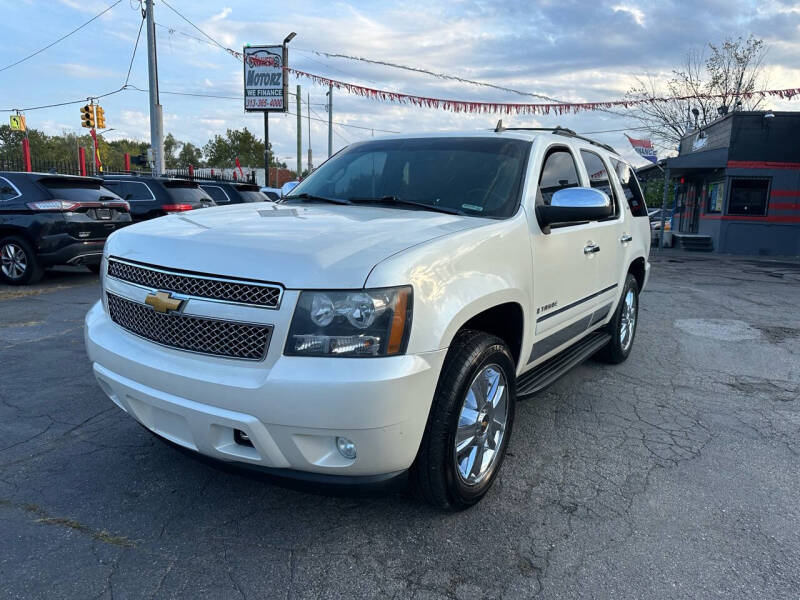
{"points": [[264, 78]]}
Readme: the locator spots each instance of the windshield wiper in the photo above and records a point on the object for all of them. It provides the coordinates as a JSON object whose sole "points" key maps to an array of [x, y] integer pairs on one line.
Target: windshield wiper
{"points": [[402, 202], [305, 196]]}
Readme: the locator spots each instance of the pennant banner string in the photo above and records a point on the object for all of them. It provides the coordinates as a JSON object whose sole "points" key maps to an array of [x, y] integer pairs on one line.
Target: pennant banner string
{"points": [[469, 106]]}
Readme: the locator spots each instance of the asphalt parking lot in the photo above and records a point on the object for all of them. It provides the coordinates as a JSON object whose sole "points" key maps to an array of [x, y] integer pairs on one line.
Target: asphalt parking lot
{"points": [[674, 475]]}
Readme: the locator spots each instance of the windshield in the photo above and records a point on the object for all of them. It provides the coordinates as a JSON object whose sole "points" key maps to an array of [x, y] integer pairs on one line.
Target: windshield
{"points": [[476, 176]]}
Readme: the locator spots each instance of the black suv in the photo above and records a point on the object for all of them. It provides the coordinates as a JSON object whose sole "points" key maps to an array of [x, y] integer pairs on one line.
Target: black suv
{"points": [[226, 192], [151, 196], [54, 220]]}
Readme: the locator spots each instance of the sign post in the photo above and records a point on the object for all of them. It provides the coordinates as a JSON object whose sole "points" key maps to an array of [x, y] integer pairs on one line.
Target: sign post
{"points": [[265, 86]]}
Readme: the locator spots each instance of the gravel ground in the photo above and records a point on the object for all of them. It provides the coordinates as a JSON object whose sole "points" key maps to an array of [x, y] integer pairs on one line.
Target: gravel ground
{"points": [[673, 475]]}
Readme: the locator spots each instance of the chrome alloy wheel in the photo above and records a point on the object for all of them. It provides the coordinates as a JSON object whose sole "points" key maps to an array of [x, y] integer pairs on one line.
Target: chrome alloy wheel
{"points": [[13, 260], [627, 322], [481, 425]]}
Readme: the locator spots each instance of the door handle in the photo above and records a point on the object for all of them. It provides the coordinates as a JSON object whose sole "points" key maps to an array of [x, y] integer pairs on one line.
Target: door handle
{"points": [[591, 249], [626, 237]]}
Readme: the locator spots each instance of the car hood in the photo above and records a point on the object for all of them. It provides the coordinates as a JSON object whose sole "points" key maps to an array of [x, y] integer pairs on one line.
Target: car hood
{"points": [[297, 245]]}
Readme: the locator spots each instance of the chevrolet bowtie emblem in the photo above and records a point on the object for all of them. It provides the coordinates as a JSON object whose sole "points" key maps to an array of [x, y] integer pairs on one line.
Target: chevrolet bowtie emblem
{"points": [[163, 302]]}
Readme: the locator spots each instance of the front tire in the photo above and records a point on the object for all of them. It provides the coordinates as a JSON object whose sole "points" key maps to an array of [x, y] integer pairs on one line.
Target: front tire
{"points": [[622, 326], [19, 264], [469, 424]]}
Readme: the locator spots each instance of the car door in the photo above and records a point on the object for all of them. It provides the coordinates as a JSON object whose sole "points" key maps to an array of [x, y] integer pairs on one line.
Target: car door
{"points": [[610, 235], [564, 264]]}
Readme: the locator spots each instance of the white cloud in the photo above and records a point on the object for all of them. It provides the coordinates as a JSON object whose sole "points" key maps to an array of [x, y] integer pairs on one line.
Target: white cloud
{"points": [[634, 12]]}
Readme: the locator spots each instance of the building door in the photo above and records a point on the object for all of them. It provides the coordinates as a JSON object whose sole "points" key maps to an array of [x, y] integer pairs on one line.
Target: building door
{"points": [[690, 219]]}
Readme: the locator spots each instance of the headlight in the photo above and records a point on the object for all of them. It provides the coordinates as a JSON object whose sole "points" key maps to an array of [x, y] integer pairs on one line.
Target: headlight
{"points": [[355, 323]]}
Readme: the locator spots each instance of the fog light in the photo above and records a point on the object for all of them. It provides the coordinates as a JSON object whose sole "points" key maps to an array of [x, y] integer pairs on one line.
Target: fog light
{"points": [[346, 447]]}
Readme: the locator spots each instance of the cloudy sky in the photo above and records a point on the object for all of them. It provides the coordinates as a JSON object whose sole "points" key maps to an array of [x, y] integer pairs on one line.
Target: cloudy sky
{"points": [[575, 51]]}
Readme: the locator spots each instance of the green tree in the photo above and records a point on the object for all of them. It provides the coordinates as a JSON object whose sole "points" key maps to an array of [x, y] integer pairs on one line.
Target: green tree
{"points": [[171, 146], [222, 151], [190, 155]]}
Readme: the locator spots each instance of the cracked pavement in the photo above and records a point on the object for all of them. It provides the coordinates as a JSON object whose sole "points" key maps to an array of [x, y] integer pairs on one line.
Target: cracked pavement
{"points": [[673, 475]]}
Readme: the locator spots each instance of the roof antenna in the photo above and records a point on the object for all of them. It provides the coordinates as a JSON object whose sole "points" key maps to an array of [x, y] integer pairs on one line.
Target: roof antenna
{"points": [[499, 126]]}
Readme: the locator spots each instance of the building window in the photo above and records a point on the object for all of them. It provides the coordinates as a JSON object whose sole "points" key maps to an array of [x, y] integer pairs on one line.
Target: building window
{"points": [[716, 197], [749, 197]]}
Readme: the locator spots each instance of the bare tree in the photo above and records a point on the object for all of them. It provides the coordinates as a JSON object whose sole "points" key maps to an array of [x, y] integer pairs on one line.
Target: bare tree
{"points": [[734, 69]]}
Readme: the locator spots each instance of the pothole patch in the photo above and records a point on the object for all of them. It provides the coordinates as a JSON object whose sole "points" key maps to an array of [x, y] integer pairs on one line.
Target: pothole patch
{"points": [[724, 330]]}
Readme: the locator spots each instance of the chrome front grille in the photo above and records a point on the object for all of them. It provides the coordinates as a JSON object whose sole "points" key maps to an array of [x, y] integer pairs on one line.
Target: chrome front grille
{"points": [[196, 334], [199, 286]]}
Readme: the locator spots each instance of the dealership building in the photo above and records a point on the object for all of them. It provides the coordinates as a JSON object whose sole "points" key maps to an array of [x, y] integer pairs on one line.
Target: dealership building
{"points": [[737, 185]]}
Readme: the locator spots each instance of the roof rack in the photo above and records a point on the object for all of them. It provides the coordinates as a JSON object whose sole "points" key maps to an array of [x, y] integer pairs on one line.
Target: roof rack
{"points": [[558, 130]]}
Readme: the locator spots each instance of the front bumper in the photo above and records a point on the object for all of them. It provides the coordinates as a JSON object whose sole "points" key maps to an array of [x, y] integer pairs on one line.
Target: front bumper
{"points": [[292, 409]]}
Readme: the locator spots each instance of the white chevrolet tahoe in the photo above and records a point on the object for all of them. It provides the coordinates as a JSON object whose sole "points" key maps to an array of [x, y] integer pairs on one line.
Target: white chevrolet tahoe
{"points": [[385, 317]]}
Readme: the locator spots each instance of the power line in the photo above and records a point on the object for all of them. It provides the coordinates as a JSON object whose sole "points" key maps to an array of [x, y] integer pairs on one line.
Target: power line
{"points": [[136, 45], [68, 102], [435, 74], [63, 37], [216, 43]]}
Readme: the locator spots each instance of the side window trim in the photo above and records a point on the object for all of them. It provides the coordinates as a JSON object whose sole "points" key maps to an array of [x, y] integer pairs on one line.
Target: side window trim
{"points": [[13, 187]]}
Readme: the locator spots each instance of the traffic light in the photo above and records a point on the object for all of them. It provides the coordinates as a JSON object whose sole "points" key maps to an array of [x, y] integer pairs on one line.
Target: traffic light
{"points": [[87, 116], [101, 117]]}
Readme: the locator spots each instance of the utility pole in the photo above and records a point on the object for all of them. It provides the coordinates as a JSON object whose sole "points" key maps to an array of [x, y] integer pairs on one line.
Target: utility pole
{"points": [[299, 135], [308, 105], [330, 120], [156, 123], [266, 149]]}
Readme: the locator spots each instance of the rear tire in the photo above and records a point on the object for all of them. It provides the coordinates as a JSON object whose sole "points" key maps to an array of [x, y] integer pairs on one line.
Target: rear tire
{"points": [[473, 405], [622, 326], [19, 264], [94, 268]]}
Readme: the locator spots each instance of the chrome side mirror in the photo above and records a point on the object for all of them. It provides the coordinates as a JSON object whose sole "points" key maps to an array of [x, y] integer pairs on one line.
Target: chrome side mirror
{"points": [[574, 205]]}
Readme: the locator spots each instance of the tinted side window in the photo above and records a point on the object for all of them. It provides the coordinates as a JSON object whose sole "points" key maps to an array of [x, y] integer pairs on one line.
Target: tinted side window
{"points": [[217, 193], [7, 190], [630, 186], [558, 172], [137, 190], [599, 177]]}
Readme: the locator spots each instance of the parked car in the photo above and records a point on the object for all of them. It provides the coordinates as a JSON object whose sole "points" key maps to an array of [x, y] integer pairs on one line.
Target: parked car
{"points": [[383, 318], [151, 196], [50, 220], [273, 194], [287, 187], [227, 192]]}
